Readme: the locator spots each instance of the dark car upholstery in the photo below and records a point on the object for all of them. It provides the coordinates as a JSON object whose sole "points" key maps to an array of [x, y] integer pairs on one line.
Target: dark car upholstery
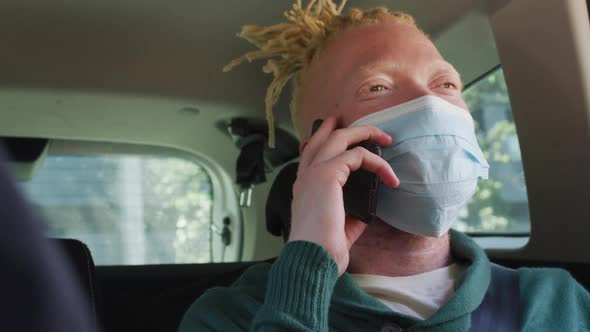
{"points": [[80, 259]]}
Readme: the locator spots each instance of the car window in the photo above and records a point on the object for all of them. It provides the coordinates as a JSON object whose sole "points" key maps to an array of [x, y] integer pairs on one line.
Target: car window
{"points": [[500, 204], [129, 208]]}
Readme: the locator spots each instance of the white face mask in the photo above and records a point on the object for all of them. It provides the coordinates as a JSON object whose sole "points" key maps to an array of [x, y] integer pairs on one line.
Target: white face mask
{"points": [[437, 159]]}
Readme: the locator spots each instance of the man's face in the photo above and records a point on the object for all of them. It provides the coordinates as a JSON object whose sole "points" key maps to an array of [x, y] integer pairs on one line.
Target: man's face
{"points": [[372, 67]]}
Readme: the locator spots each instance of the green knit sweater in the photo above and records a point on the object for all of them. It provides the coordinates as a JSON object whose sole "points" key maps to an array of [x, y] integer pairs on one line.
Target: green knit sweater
{"points": [[301, 291]]}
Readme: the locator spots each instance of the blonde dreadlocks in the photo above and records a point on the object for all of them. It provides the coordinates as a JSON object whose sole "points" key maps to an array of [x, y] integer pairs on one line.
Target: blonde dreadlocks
{"points": [[290, 46]]}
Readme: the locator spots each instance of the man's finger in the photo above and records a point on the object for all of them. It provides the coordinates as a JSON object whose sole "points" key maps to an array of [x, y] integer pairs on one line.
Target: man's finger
{"points": [[353, 229], [341, 139], [359, 157], [317, 140]]}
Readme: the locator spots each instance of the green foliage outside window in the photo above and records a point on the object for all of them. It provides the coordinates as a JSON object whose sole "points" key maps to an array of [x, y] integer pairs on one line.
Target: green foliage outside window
{"points": [[184, 199], [129, 209], [500, 203]]}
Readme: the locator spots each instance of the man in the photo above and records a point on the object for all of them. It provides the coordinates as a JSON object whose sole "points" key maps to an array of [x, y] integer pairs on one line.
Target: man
{"points": [[360, 73]]}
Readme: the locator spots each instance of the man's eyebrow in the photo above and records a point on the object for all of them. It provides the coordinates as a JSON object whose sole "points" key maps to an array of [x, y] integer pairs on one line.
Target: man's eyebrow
{"points": [[376, 67]]}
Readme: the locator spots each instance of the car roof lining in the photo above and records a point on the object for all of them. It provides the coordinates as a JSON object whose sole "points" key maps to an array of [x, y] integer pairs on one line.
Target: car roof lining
{"points": [[176, 49]]}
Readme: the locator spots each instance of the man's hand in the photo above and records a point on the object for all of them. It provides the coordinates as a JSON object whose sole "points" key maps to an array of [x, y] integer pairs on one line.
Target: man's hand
{"points": [[317, 212]]}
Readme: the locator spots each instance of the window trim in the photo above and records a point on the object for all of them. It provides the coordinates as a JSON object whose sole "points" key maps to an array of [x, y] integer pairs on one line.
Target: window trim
{"points": [[481, 77]]}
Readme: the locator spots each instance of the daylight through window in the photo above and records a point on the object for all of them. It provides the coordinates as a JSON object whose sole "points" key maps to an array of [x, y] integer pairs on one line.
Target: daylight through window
{"points": [[500, 204], [129, 209]]}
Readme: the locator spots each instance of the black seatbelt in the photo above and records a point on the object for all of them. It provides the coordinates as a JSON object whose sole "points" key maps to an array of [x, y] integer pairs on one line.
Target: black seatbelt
{"points": [[500, 308]]}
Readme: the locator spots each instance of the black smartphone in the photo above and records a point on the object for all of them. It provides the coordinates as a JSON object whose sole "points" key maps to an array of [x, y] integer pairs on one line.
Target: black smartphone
{"points": [[361, 188]]}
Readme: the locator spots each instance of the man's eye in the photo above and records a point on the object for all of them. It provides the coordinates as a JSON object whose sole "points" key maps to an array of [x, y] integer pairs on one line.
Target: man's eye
{"points": [[449, 85], [377, 88], [373, 90]]}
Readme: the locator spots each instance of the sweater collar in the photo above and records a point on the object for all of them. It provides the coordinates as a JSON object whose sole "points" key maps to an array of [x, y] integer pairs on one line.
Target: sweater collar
{"points": [[473, 284]]}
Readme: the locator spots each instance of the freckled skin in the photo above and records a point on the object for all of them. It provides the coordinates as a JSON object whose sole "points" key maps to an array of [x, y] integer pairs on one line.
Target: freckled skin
{"points": [[409, 67]]}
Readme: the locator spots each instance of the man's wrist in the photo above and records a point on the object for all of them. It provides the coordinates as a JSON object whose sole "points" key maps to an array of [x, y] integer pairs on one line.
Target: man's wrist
{"points": [[301, 282]]}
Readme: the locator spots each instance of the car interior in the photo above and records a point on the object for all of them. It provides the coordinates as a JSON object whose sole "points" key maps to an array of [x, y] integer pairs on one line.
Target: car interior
{"points": [[150, 165]]}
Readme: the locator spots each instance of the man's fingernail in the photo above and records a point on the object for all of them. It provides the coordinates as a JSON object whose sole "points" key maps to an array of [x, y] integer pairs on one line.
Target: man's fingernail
{"points": [[316, 125]]}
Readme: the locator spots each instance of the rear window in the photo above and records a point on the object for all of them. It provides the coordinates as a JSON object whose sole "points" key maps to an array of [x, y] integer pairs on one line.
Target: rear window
{"points": [[500, 205], [130, 206]]}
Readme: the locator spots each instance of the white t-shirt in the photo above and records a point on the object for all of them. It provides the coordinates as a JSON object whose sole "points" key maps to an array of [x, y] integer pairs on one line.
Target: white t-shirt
{"points": [[419, 295]]}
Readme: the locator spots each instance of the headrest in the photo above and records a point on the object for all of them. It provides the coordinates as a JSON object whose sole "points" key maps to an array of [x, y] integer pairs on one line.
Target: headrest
{"points": [[26, 155], [82, 264], [278, 203]]}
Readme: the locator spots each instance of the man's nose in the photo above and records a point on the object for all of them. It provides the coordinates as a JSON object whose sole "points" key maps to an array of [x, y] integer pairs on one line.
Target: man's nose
{"points": [[410, 90]]}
